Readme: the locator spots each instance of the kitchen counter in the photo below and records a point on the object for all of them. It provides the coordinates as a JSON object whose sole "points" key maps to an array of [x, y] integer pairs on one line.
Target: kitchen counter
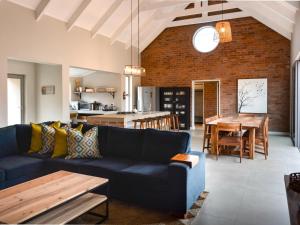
{"points": [[93, 112], [121, 120]]}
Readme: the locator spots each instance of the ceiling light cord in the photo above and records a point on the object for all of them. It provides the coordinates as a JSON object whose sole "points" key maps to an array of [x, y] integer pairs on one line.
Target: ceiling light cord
{"points": [[138, 32], [131, 36]]}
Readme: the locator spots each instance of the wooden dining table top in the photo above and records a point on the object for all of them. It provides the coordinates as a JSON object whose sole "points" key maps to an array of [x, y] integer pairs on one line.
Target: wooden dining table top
{"points": [[246, 121]]}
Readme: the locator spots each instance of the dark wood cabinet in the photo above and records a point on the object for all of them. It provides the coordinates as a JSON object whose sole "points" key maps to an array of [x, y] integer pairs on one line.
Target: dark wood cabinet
{"points": [[177, 101]]}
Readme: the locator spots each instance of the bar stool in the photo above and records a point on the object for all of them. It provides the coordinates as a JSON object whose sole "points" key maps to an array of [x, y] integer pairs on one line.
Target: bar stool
{"points": [[174, 122], [141, 122]]}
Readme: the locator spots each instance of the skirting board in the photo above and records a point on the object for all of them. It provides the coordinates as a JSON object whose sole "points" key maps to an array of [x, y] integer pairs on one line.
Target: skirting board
{"points": [[276, 133]]}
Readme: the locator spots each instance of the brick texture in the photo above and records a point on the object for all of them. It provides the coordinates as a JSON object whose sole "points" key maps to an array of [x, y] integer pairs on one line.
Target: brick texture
{"points": [[255, 52], [210, 99]]}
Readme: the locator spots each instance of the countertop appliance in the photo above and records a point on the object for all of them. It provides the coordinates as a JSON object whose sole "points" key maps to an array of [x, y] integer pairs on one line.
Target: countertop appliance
{"points": [[147, 99]]}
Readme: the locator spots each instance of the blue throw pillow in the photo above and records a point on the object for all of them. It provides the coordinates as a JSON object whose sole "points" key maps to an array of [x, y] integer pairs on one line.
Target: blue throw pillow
{"points": [[161, 146], [8, 141]]}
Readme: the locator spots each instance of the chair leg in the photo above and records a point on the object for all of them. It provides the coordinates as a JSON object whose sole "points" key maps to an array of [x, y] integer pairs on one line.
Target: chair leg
{"points": [[217, 153], [265, 149], [241, 152], [204, 140]]}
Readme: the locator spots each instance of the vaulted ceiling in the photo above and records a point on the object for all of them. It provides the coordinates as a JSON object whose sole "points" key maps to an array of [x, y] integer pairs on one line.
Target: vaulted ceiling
{"points": [[112, 18]]}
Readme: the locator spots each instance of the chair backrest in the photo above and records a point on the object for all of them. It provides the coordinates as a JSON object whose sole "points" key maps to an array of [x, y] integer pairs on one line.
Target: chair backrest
{"points": [[229, 127], [266, 127]]}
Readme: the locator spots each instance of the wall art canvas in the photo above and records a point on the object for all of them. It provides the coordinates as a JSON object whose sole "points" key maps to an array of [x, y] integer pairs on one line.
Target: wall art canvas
{"points": [[252, 95], [48, 90]]}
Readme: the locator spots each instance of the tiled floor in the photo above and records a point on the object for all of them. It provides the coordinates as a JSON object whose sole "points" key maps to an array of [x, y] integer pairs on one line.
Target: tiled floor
{"points": [[251, 193]]}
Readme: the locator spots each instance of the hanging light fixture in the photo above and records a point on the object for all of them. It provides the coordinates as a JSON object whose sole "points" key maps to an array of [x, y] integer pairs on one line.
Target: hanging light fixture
{"points": [[135, 70], [224, 29]]}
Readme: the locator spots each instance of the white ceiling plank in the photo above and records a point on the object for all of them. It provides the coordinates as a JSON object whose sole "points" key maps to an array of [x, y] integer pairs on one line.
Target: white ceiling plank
{"points": [[266, 19], [105, 17], [269, 12], [281, 11], [121, 27], [40, 10], [158, 5], [291, 5], [157, 29], [197, 10], [76, 15], [208, 19]]}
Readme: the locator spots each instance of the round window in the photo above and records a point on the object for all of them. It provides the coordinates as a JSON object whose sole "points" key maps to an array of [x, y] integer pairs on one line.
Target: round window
{"points": [[206, 39]]}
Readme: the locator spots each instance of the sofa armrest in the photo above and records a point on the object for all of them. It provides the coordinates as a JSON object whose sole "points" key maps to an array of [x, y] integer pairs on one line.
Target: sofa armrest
{"points": [[186, 183]]}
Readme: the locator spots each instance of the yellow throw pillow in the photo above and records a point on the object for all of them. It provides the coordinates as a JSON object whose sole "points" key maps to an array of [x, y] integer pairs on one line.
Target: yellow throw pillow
{"points": [[36, 137], [61, 148]]}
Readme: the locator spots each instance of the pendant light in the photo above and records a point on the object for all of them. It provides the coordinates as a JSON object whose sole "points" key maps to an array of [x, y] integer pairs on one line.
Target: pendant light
{"points": [[135, 70], [224, 29]]}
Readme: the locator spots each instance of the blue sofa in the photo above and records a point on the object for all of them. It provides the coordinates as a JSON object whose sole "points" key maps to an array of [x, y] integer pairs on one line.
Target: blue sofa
{"points": [[137, 163]]}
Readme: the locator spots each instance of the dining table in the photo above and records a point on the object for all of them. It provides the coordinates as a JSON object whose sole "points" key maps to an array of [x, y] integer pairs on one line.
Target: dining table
{"points": [[249, 123]]}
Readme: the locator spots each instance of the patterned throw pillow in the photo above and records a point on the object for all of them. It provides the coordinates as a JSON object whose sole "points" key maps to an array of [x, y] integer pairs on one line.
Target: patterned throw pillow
{"points": [[48, 139], [83, 146]]}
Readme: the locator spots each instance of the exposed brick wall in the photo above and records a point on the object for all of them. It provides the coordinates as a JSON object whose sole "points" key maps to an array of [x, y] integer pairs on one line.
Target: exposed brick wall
{"points": [[256, 51], [210, 99]]}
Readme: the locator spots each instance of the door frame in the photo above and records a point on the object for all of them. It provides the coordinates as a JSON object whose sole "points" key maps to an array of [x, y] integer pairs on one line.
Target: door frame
{"points": [[193, 99], [22, 78]]}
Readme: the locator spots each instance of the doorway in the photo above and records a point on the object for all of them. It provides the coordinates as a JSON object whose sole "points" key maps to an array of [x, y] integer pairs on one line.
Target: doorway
{"points": [[15, 99], [295, 106], [205, 101]]}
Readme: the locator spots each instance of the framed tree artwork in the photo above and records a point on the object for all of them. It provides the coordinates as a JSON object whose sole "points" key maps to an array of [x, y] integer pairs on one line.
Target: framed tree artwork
{"points": [[253, 95]]}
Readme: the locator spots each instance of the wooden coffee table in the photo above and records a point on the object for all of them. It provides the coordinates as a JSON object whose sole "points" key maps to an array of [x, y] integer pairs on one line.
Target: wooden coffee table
{"points": [[57, 198]]}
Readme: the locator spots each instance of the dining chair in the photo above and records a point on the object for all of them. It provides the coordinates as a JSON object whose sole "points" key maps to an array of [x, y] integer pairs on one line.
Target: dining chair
{"points": [[207, 132], [235, 140], [261, 137]]}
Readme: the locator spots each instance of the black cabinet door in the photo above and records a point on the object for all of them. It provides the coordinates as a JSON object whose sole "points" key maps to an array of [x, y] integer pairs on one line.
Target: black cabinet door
{"points": [[177, 101]]}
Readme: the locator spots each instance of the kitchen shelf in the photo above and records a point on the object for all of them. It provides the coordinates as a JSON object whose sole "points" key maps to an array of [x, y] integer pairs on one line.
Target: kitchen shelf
{"points": [[96, 92]]}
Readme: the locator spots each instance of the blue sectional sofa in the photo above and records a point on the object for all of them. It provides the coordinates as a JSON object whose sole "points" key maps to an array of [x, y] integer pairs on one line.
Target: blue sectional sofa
{"points": [[137, 163]]}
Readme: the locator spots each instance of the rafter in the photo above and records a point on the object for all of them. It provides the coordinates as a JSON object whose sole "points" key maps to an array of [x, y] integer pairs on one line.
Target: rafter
{"points": [[121, 28], [267, 18], [76, 15], [156, 29], [158, 5], [105, 17], [208, 19], [41, 8], [196, 10]]}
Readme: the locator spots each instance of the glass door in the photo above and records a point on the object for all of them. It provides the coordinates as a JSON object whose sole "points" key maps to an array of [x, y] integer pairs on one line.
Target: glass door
{"points": [[15, 99], [295, 104]]}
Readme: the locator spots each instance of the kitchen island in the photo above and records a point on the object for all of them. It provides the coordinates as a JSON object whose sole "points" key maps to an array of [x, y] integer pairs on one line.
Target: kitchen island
{"points": [[122, 120]]}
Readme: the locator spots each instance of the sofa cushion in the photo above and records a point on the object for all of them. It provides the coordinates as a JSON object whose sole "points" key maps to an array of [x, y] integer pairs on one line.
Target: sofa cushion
{"points": [[17, 166], [124, 143], [106, 167], [146, 175], [161, 146], [73, 165], [24, 132], [8, 141], [2, 175]]}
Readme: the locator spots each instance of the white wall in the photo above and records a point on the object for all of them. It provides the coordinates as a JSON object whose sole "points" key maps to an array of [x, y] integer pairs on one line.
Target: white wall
{"points": [[295, 43], [48, 106], [47, 41], [28, 70], [103, 79]]}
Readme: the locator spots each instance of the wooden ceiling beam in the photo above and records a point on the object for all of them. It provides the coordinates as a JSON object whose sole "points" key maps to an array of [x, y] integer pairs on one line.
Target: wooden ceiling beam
{"points": [[41, 8], [105, 17], [76, 15]]}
